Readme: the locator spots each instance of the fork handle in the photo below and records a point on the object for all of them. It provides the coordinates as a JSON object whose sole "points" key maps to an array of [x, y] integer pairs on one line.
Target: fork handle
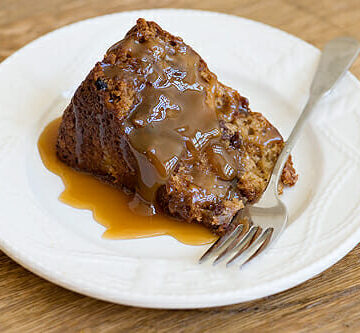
{"points": [[337, 57]]}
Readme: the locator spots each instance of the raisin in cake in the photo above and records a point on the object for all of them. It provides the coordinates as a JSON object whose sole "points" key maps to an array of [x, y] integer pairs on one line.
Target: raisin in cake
{"points": [[153, 120]]}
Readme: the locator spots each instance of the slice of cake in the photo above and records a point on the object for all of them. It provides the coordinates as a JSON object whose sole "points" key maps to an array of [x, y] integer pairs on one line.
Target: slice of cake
{"points": [[153, 120]]}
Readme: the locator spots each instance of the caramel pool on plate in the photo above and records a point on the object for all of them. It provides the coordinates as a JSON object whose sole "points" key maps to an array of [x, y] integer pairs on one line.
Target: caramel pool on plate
{"points": [[109, 205]]}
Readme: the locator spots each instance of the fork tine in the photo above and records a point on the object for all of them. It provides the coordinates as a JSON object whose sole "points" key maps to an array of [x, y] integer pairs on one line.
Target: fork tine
{"points": [[237, 245], [221, 241], [252, 250]]}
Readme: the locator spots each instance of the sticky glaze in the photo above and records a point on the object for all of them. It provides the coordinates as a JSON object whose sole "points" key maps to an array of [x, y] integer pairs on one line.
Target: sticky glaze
{"points": [[173, 116]]}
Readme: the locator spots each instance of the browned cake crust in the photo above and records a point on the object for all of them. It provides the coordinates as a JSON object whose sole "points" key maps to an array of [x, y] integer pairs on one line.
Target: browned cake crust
{"points": [[93, 137]]}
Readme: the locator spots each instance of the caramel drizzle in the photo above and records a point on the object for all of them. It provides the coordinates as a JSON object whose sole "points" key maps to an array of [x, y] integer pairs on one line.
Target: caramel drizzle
{"points": [[79, 135], [173, 117]]}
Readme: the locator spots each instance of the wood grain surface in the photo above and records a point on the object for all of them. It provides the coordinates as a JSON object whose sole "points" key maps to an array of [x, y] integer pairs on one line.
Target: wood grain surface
{"points": [[329, 302]]}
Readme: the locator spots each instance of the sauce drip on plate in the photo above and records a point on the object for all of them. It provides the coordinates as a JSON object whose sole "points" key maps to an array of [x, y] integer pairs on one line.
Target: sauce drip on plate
{"points": [[110, 205]]}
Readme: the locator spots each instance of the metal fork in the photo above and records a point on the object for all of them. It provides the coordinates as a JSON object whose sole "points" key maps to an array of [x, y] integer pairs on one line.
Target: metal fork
{"points": [[262, 223]]}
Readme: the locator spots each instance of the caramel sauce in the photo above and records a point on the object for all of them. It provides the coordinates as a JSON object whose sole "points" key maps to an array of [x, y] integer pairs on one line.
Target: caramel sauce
{"points": [[110, 205], [173, 117]]}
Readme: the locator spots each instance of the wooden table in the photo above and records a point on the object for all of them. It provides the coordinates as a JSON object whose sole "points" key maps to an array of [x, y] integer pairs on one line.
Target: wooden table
{"points": [[328, 302]]}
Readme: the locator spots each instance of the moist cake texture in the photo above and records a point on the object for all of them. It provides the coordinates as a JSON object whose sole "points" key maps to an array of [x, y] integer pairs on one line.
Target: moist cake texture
{"points": [[153, 120]]}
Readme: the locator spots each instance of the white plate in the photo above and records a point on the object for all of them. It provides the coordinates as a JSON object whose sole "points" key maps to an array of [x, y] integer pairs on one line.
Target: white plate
{"points": [[271, 68]]}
